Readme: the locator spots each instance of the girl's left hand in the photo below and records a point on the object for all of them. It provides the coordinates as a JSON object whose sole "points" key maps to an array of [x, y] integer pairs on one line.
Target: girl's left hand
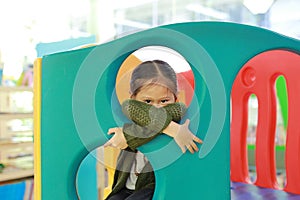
{"points": [[118, 140], [186, 139]]}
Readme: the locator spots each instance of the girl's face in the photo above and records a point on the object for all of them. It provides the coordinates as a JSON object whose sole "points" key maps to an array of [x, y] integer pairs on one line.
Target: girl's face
{"points": [[156, 95]]}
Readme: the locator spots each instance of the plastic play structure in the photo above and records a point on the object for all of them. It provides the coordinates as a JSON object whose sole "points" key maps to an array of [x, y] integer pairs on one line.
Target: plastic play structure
{"points": [[258, 77], [75, 104]]}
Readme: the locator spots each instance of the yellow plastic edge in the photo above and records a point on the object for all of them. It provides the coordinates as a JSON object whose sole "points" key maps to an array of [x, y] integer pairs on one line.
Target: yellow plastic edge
{"points": [[37, 128]]}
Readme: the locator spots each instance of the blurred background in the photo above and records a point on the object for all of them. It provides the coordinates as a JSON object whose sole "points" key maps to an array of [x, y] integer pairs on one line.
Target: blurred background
{"points": [[29, 26], [25, 24]]}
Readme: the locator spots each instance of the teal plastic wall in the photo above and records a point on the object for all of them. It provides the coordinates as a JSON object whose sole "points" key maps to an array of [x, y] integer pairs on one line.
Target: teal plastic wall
{"points": [[79, 104]]}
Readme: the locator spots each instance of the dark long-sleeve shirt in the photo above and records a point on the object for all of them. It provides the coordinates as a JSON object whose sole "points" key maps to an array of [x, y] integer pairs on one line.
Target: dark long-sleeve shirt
{"points": [[148, 122]]}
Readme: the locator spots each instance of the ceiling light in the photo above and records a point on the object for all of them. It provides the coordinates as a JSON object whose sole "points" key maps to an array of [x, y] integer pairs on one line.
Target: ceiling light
{"points": [[258, 6]]}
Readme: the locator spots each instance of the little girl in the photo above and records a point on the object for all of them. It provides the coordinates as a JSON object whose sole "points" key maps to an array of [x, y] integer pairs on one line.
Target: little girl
{"points": [[153, 110]]}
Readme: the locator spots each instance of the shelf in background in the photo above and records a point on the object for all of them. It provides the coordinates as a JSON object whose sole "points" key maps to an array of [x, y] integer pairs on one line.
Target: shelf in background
{"points": [[16, 134], [15, 174], [9, 116], [15, 89], [9, 144]]}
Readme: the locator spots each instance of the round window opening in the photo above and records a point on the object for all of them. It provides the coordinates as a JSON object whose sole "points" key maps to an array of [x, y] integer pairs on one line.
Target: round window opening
{"points": [[184, 74], [98, 167]]}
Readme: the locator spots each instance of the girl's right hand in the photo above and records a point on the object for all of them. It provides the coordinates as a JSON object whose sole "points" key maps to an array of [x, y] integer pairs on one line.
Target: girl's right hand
{"points": [[118, 140]]}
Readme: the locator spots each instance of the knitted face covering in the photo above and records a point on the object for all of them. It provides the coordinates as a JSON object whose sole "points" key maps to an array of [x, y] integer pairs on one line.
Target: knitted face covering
{"points": [[148, 121], [147, 115]]}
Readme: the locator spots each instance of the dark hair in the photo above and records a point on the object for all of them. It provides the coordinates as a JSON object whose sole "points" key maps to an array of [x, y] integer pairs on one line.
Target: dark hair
{"points": [[153, 72]]}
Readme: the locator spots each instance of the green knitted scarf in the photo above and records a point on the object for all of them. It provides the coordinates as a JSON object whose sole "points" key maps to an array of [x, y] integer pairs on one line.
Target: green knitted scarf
{"points": [[148, 121]]}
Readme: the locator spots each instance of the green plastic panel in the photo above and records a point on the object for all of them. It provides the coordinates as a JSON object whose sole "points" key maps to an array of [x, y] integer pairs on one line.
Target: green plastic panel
{"points": [[79, 104]]}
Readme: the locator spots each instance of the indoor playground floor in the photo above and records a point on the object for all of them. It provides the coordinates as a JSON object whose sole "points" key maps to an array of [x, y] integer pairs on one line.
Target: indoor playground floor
{"points": [[242, 191]]}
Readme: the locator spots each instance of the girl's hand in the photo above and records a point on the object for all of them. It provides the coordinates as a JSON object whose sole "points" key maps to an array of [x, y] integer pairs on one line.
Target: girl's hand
{"points": [[184, 138], [118, 140]]}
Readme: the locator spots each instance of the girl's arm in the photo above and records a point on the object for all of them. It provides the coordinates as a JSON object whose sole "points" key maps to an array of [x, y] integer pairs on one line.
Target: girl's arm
{"points": [[150, 122], [184, 138]]}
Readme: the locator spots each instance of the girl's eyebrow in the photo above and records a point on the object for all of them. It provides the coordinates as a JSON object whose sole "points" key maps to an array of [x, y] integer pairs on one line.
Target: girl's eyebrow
{"points": [[146, 97], [166, 97]]}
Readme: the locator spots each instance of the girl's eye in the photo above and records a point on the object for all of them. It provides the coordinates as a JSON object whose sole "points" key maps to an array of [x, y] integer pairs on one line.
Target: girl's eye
{"points": [[164, 101], [147, 101]]}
